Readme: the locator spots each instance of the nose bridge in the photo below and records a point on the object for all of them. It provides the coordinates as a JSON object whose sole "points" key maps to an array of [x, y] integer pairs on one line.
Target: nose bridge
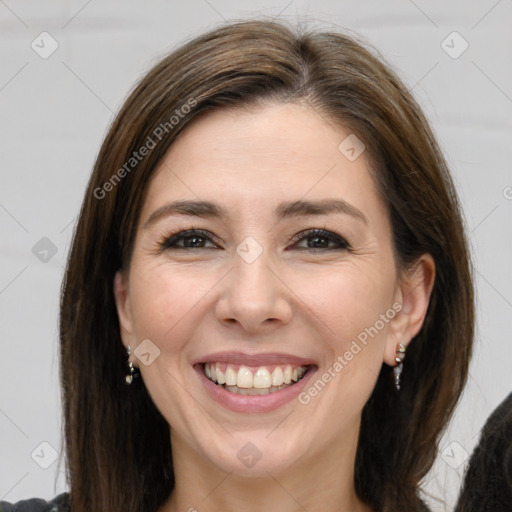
{"points": [[253, 295]]}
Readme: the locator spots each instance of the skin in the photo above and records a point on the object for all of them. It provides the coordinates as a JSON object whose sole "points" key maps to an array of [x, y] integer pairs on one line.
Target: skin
{"points": [[196, 301]]}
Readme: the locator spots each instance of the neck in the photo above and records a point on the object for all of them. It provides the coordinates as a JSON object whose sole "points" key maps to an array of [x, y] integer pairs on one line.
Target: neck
{"points": [[322, 484]]}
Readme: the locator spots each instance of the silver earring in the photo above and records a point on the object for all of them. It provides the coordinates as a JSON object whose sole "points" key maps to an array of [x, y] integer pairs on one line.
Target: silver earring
{"points": [[131, 369], [399, 360]]}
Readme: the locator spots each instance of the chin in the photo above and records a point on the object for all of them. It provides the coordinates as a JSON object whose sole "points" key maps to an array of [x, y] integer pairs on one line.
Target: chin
{"points": [[255, 454]]}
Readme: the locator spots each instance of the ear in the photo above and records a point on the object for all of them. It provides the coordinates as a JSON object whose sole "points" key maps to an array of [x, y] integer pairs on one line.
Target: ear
{"points": [[122, 297], [411, 299]]}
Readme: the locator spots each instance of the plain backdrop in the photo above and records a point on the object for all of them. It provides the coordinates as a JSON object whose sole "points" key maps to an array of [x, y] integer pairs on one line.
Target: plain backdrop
{"points": [[55, 109]]}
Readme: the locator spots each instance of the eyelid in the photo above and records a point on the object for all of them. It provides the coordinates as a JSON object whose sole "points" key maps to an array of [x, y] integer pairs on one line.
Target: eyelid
{"points": [[166, 241], [334, 237]]}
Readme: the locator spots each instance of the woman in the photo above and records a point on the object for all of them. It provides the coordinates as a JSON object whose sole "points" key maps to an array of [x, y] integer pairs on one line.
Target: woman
{"points": [[268, 302]]}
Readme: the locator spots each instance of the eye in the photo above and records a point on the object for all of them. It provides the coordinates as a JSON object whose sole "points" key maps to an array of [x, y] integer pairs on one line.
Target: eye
{"points": [[188, 239], [315, 240], [320, 240]]}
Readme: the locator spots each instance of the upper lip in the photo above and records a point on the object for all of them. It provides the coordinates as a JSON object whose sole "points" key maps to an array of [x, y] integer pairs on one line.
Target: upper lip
{"points": [[264, 359]]}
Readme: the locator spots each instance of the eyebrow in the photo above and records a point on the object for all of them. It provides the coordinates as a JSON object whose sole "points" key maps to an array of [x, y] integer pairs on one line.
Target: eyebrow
{"points": [[300, 208]]}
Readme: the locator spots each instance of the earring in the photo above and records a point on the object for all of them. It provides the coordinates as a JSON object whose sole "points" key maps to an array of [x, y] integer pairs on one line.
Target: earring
{"points": [[129, 378], [399, 360]]}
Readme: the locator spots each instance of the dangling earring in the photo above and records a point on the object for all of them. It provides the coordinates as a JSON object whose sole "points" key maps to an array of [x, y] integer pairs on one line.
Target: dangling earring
{"points": [[129, 378], [399, 360]]}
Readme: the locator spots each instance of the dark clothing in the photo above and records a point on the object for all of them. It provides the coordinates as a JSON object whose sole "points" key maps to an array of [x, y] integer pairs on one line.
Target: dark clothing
{"points": [[488, 480], [58, 504]]}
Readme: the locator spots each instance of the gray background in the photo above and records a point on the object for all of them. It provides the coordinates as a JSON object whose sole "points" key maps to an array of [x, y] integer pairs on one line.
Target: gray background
{"points": [[54, 112]]}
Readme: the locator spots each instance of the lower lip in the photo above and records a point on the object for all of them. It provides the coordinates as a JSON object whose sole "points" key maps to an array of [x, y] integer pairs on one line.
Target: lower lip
{"points": [[255, 403]]}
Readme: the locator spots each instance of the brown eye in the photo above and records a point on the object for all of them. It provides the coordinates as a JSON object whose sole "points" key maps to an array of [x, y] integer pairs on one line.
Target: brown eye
{"points": [[321, 240], [189, 239]]}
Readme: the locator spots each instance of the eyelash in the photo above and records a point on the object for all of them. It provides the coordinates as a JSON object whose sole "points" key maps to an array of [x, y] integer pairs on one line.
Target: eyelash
{"points": [[166, 243]]}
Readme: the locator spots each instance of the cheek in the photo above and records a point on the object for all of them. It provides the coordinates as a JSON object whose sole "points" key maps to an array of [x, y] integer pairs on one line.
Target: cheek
{"points": [[352, 307], [164, 302], [349, 301], [355, 305]]}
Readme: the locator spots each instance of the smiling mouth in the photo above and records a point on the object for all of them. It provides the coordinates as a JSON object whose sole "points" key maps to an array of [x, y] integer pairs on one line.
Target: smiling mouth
{"points": [[247, 380]]}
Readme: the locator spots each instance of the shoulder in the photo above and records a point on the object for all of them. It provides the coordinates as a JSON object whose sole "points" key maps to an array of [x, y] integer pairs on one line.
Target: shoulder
{"points": [[59, 504], [496, 436], [501, 415], [488, 479]]}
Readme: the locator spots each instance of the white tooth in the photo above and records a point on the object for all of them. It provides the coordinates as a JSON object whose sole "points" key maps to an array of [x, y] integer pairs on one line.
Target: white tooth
{"points": [[302, 371], [213, 372], [220, 376], [230, 376], [244, 378], [241, 391], [207, 370], [277, 376], [262, 379], [287, 374], [295, 375]]}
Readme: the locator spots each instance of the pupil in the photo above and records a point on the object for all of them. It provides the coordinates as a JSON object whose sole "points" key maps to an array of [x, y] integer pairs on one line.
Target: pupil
{"points": [[319, 242], [195, 241]]}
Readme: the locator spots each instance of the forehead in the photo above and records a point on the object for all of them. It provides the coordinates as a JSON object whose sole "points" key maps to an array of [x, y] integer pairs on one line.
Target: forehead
{"points": [[263, 156]]}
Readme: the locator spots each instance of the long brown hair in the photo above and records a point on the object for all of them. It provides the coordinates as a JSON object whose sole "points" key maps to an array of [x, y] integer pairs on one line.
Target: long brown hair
{"points": [[117, 443]]}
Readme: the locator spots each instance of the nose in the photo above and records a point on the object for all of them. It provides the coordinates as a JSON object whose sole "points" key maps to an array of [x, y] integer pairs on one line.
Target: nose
{"points": [[254, 297]]}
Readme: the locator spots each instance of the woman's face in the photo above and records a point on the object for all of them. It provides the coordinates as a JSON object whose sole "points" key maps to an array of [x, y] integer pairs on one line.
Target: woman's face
{"points": [[263, 252]]}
